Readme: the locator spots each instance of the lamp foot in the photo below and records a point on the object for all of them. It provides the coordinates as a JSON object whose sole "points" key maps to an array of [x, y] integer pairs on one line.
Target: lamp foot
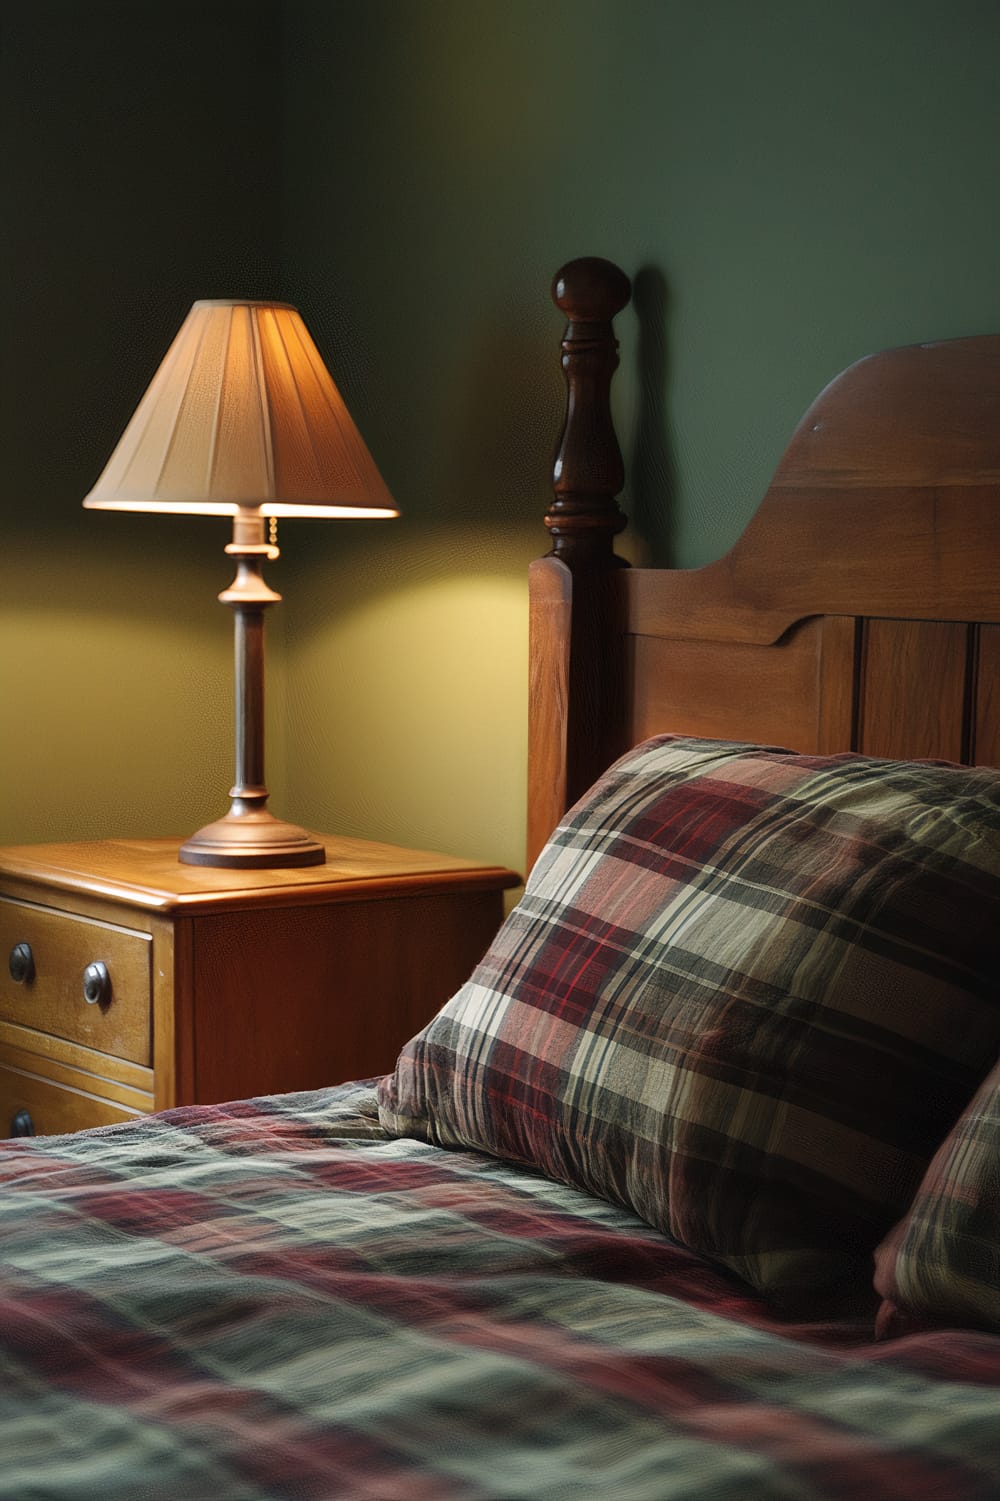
{"points": [[251, 841]]}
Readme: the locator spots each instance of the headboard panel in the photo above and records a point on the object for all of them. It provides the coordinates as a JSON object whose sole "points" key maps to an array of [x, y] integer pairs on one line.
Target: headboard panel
{"points": [[784, 693], [860, 609]]}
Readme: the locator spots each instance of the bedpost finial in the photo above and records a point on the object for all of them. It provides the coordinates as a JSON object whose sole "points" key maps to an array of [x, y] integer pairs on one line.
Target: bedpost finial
{"points": [[584, 516], [591, 290]]}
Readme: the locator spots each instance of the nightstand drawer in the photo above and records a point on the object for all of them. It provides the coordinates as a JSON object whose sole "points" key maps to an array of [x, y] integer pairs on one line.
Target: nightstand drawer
{"points": [[83, 980], [33, 1106]]}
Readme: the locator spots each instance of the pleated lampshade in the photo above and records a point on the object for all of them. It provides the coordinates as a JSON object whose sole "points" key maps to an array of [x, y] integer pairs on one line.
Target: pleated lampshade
{"points": [[242, 415]]}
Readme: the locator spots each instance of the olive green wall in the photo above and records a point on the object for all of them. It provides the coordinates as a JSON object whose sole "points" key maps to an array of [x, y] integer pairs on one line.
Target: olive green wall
{"points": [[791, 183], [139, 167]]}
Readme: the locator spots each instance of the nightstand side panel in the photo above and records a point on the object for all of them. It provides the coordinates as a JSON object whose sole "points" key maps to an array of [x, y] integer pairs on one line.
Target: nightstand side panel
{"points": [[310, 996]]}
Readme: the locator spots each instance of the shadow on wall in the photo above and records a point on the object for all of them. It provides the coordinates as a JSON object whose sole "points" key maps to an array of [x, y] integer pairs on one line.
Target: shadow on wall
{"points": [[652, 475], [500, 463]]}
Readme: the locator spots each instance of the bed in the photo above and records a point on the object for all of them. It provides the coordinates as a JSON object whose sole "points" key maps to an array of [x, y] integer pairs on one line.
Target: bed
{"points": [[692, 1190]]}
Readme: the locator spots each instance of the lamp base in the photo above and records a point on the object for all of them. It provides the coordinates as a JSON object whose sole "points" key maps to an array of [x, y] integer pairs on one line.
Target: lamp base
{"points": [[251, 841]]}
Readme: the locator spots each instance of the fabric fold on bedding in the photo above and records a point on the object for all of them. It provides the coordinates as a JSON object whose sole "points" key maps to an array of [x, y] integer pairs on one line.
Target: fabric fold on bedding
{"points": [[274, 1299]]}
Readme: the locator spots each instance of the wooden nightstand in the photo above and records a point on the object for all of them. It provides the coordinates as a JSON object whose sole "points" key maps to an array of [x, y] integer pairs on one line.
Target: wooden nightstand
{"points": [[131, 982]]}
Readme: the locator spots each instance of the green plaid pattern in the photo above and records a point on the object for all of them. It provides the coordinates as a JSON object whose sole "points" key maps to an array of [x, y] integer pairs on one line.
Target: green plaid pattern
{"points": [[746, 994], [941, 1263], [270, 1301]]}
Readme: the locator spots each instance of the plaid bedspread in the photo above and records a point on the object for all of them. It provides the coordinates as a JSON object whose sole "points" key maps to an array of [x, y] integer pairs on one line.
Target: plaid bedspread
{"points": [[273, 1300]]}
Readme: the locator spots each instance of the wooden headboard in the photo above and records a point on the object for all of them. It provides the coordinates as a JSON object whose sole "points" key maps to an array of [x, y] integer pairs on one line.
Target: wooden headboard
{"points": [[860, 609]]}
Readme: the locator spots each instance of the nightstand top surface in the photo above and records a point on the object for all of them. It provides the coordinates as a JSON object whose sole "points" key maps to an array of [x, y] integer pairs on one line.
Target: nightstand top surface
{"points": [[147, 873]]}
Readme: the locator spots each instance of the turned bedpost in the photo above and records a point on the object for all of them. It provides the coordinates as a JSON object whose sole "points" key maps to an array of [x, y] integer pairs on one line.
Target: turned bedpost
{"points": [[588, 472], [576, 665]]}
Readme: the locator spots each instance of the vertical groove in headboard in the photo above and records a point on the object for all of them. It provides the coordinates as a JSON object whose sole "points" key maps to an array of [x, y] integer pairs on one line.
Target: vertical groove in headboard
{"points": [[986, 698], [969, 702]]}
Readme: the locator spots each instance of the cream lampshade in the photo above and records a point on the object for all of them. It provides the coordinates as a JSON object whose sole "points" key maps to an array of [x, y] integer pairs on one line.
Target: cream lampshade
{"points": [[243, 419]]}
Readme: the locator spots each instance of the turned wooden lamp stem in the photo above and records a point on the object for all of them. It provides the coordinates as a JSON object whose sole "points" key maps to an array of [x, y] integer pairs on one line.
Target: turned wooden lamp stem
{"points": [[249, 597], [248, 835], [249, 643]]}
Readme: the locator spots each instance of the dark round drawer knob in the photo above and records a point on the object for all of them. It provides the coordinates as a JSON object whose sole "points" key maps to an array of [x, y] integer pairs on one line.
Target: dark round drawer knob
{"points": [[21, 964], [22, 1124], [96, 984]]}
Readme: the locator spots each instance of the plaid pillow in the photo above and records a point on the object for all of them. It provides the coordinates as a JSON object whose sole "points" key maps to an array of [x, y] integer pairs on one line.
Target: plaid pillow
{"points": [[746, 993], [941, 1264]]}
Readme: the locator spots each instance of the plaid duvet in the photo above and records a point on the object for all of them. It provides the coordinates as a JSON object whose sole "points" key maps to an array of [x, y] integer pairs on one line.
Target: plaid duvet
{"points": [[274, 1300]]}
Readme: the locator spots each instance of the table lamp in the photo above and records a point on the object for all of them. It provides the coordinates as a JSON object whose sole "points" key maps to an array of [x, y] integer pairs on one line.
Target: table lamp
{"points": [[243, 419]]}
